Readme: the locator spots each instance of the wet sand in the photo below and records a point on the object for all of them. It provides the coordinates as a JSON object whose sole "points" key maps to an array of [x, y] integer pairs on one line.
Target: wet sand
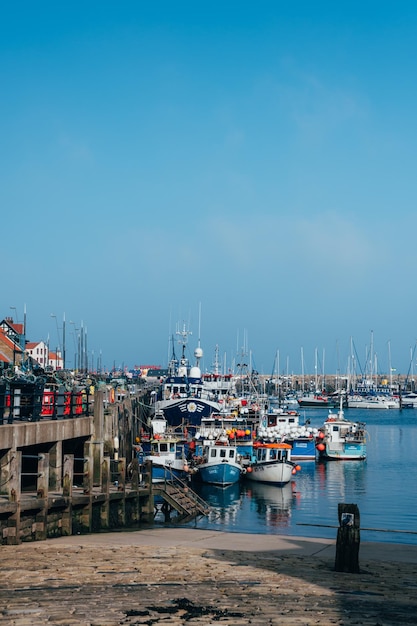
{"points": [[186, 576]]}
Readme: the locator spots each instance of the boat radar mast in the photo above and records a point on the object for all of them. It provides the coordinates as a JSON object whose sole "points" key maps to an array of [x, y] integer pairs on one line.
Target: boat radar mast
{"points": [[183, 340]]}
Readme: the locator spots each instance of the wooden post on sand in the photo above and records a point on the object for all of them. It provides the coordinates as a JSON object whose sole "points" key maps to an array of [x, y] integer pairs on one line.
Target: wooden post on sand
{"points": [[348, 539]]}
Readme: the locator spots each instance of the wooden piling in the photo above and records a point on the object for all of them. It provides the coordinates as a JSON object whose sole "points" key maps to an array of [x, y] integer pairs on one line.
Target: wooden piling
{"points": [[348, 539]]}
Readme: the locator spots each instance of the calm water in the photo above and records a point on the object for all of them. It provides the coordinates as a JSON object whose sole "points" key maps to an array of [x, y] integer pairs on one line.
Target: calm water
{"points": [[384, 487]]}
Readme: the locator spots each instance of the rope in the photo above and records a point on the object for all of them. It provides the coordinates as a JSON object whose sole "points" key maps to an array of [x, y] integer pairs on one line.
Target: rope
{"points": [[377, 530]]}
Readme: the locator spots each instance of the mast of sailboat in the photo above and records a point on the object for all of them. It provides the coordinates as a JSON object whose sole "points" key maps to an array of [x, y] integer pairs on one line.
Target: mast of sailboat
{"points": [[302, 368], [389, 365]]}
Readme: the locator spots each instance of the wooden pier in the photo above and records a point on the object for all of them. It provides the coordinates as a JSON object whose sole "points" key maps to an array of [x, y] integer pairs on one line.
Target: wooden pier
{"points": [[65, 477]]}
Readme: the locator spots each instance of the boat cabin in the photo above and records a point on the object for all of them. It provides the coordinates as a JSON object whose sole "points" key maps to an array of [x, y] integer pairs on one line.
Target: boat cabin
{"points": [[266, 453], [167, 448], [219, 454]]}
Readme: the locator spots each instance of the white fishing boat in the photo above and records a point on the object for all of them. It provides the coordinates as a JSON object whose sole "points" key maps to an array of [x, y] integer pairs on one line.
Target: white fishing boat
{"points": [[166, 450], [271, 463], [341, 439]]}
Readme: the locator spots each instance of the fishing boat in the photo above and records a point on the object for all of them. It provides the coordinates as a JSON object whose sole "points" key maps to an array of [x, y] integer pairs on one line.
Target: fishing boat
{"points": [[340, 439], [166, 449], [239, 430], [271, 463], [219, 464], [186, 395], [282, 425]]}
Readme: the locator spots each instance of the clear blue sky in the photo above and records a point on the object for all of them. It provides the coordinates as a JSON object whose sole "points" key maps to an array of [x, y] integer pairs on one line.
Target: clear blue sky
{"points": [[254, 158]]}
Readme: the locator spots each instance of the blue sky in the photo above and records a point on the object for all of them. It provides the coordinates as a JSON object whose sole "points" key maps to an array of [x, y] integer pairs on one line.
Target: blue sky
{"points": [[255, 161]]}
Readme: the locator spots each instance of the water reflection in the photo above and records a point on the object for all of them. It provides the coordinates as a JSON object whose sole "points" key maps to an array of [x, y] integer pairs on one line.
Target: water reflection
{"points": [[383, 487], [271, 503], [224, 502]]}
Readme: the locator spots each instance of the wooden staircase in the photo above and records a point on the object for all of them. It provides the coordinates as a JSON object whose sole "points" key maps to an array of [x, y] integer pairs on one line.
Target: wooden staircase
{"points": [[179, 496]]}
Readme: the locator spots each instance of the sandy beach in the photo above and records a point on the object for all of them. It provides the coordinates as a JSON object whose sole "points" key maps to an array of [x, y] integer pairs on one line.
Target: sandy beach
{"points": [[185, 576]]}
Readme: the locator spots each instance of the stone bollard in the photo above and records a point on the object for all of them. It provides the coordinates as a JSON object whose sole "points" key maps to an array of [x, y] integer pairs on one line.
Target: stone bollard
{"points": [[348, 539]]}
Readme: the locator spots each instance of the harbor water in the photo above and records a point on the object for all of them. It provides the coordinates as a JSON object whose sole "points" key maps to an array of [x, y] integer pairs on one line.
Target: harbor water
{"points": [[384, 487]]}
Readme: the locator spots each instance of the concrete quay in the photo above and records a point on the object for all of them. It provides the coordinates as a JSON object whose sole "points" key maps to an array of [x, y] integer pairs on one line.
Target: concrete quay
{"points": [[189, 576]]}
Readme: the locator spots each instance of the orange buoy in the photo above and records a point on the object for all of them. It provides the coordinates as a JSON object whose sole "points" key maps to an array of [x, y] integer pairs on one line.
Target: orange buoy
{"points": [[320, 447], [249, 469], [298, 468], [294, 471], [321, 435]]}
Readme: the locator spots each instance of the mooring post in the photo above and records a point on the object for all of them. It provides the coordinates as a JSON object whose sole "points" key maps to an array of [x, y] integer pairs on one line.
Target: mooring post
{"points": [[348, 539]]}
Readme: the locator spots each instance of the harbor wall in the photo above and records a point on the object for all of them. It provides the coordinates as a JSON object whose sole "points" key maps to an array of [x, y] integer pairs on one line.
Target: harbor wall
{"points": [[69, 476]]}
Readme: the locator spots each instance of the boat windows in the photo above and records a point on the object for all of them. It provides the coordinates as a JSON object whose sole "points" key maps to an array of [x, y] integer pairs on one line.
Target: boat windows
{"points": [[261, 453]]}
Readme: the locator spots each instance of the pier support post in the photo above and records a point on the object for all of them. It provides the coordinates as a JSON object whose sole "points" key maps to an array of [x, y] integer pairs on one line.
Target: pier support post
{"points": [[12, 533], [55, 465], [67, 483], [348, 539], [105, 481], [41, 519], [147, 510], [121, 509], [88, 468]]}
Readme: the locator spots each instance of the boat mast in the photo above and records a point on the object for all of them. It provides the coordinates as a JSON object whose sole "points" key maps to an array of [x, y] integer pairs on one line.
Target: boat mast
{"points": [[302, 368], [389, 365]]}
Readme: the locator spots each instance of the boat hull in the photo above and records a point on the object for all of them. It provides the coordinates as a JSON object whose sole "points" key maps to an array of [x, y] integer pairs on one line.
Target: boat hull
{"points": [[277, 473], [347, 452], [373, 403], [161, 473], [303, 449], [222, 474], [188, 411]]}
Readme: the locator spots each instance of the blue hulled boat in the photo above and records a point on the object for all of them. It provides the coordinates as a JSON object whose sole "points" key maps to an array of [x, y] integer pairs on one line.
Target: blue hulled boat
{"points": [[218, 465]]}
